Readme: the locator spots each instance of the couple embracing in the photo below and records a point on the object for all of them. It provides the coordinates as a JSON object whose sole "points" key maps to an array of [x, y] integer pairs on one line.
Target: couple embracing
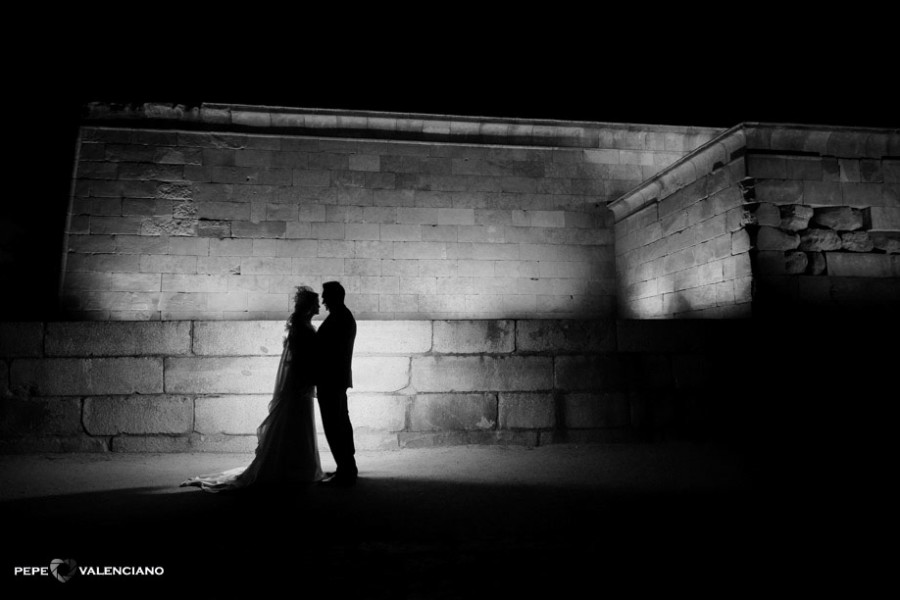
{"points": [[313, 363]]}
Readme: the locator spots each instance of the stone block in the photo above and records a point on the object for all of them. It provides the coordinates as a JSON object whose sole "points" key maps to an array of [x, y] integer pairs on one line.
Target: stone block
{"points": [[557, 336], [378, 411], [452, 412], [474, 337], [392, 337], [588, 411], [225, 443], [231, 415], [380, 373], [88, 376], [771, 262], [680, 336], [819, 240], [771, 238], [861, 195], [140, 415], [878, 218], [585, 372], [887, 243], [233, 375], [482, 373], [365, 439], [244, 338], [25, 339], [841, 218], [857, 241], [128, 338], [795, 217], [39, 417], [527, 411], [842, 264], [795, 262], [822, 193], [817, 264], [777, 191], [53, 445], [740, 242], [766, 214], [152, 444]]}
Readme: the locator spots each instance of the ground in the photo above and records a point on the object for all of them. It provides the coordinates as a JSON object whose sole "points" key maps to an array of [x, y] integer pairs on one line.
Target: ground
{"points": [[454, 522]]}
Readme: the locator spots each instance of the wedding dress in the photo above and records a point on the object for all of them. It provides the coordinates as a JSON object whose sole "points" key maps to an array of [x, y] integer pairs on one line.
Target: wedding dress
{"points": [[286, 451]]}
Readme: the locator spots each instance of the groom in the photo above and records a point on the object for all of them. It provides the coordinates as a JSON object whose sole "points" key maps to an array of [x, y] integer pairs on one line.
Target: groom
{"points": [[336, 335]]}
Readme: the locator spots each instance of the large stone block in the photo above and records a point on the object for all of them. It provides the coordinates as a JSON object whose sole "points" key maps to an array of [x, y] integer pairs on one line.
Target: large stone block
{"points": [[558, 336], [588, 411], [682, 336], [378, 411], [380, 373], [882, 219], [234, 444], [129, 338], [450, 412], [795, 217], [782, 191], [392, 337], [88, 376], [846, 264], [53, 445], [40, 417], [243, 338], [152, 443], [415, 439], [365, 439], [527, 411], [474, 337], [21, 339], [233, 375], [771, 238], [482, 373], [140, 415], [231, 415], [841, 218], [857, 241], [819, 240], [600, 372]]}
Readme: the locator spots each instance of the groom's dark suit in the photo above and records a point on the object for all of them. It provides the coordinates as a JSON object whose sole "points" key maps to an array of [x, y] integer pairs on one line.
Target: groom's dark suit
{"points": [[336, 335]]}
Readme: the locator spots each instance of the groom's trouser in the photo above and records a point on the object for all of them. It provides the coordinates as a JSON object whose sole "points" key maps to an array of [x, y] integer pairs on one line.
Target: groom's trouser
{"points": [[338, 430]]}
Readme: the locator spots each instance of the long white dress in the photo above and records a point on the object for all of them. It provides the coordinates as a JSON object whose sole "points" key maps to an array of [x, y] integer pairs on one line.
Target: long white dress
{"points": [[286, 451]]}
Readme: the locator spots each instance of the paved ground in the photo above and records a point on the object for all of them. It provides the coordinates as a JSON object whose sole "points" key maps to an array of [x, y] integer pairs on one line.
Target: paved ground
{"points": [[455, 522]]}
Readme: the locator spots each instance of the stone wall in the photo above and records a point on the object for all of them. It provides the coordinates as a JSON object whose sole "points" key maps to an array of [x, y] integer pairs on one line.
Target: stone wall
{"points": [[204, 385], [826, 229], [219, 212], [685, 252], [780, 218]]}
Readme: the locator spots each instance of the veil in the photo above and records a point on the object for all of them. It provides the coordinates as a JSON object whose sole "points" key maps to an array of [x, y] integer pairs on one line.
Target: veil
{"points": [[286, 450]]}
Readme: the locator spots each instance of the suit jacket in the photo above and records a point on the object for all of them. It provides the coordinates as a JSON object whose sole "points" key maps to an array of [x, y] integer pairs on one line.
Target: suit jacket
{"points": [[336, 335]]}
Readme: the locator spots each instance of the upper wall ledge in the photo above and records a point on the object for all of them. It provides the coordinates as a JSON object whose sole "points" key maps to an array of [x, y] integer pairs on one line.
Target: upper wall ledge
{"points": [[844, 142], [399, 126]]}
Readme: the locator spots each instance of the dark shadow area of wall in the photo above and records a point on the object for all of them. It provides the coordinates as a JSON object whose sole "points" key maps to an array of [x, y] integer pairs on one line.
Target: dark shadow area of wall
{"points": [[33, 219]]}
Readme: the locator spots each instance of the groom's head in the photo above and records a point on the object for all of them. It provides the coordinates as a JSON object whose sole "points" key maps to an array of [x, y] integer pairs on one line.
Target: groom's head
{"points": [[332, 294]]}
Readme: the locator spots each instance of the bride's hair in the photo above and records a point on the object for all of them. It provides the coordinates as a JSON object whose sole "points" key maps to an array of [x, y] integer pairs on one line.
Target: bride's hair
{"points": [[304, 300]]}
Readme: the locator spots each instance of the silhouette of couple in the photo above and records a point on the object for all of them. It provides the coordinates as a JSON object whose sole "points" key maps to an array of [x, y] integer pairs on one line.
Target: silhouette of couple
{"points": [[313, 363]]}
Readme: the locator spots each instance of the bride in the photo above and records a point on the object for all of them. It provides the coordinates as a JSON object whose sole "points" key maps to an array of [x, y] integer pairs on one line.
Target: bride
{"points": [[286, 451]]}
